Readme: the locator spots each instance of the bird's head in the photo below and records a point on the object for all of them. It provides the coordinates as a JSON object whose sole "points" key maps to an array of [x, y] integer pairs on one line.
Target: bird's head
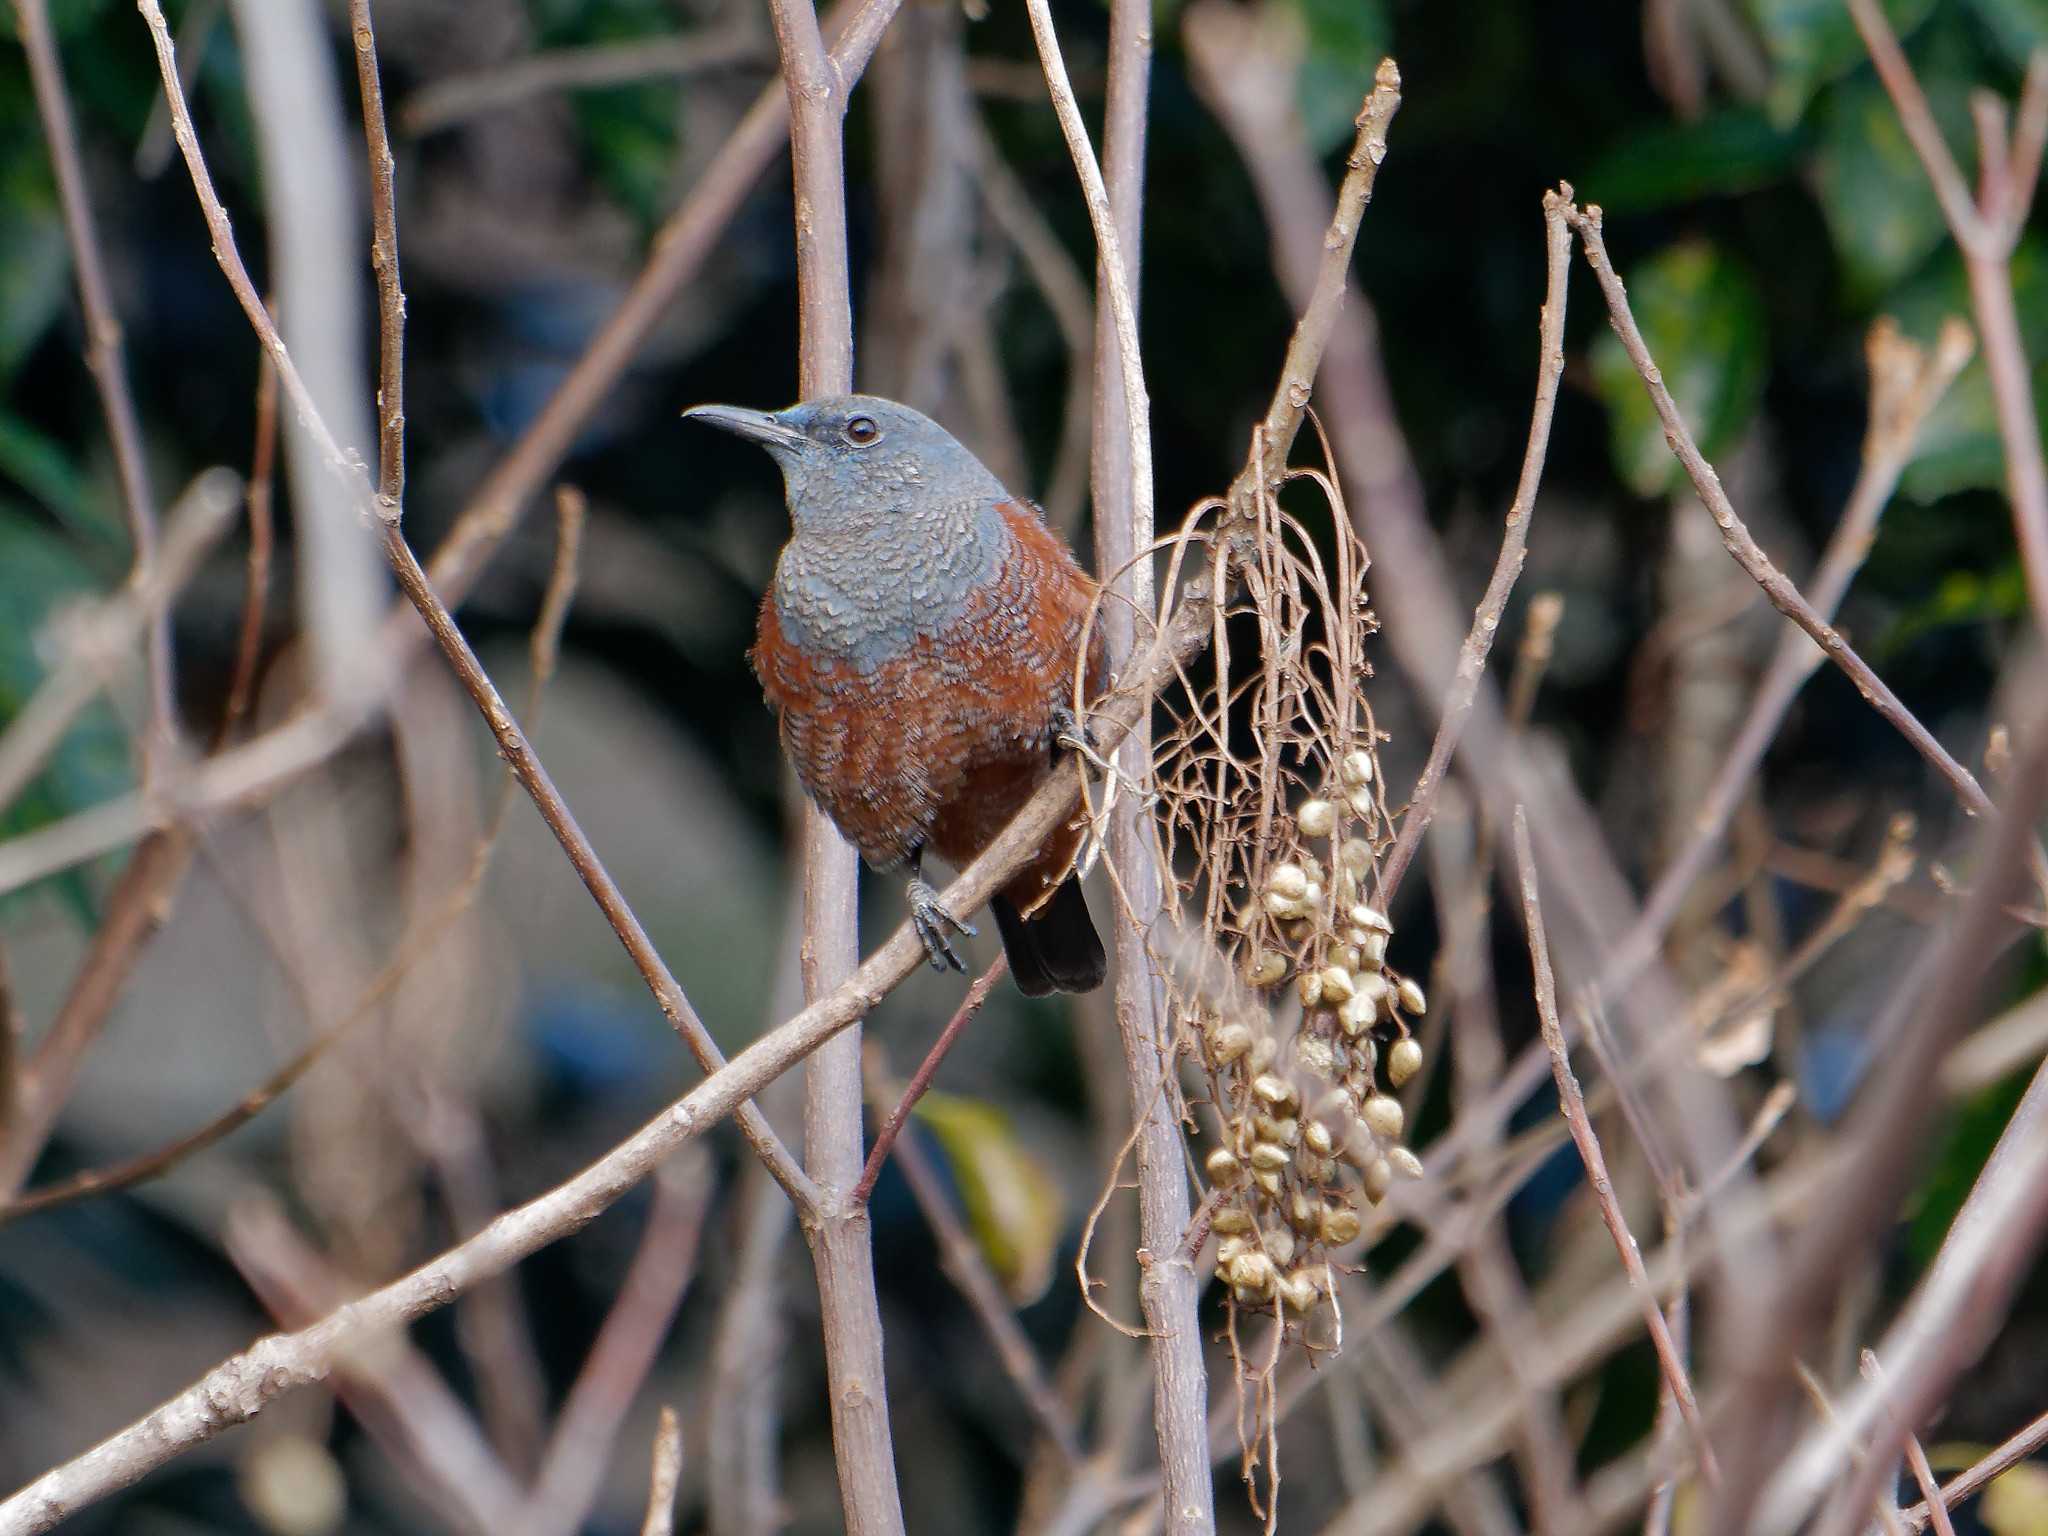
{"points": [[856, 462]]}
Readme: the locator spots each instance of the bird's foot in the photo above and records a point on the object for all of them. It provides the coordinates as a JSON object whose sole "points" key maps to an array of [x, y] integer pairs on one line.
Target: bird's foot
{"points": [[931, 920], [1074, 735]]}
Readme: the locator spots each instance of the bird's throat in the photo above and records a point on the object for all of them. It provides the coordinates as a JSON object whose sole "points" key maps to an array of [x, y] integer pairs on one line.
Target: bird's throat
{"points": [[867, 594]]}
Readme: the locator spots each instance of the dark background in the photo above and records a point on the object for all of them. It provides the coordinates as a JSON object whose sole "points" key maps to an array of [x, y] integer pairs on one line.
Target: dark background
{"points": [[1765, 211]]}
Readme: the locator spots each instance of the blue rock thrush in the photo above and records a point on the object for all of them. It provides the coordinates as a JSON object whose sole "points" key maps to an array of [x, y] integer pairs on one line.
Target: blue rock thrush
{"points": [[918, 645]]}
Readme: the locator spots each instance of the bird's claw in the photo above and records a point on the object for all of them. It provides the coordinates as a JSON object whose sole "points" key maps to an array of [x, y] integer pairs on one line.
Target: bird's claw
{"points": [[931, 920], [1074, 735]]}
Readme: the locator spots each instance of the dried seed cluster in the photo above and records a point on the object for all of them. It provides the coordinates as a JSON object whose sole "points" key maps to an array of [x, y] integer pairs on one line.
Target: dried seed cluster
{"points": [[1309, 1125]]}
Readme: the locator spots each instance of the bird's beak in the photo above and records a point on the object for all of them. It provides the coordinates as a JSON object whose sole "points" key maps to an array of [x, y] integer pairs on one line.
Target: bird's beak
{"points": [[760, 426]]}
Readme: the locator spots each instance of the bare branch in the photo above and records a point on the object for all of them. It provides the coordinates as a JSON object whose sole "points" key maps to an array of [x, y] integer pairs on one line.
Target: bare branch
{"points": [[1735, 534], [1917, 118], [1507, 566], [1573, 1104], [97, 641], [1123, 500], [1905, 386], [1916, 1457], [313, 226], [396, 1392], [1319, 315], [384, 262], [1968, 1483], [668, 1473], [445, 102], [256, 582], [103, 356], [238, 1388], [1935, 1000], [1986, 231], [921, 1080]]}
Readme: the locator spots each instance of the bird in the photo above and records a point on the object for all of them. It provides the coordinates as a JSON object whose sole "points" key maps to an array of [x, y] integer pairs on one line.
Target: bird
{"points": [[918, 645]]}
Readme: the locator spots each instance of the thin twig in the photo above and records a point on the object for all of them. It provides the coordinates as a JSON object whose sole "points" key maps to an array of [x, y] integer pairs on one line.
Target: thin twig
{"points": [[1507, 566], [1052, 271], [1573, 1104], [1319, 316], [1916, 1455], [238, 1388], [391, 1387], [1123, 495], [921, 1079], [98, 639], [103, 357], [1932, 1005], [257, 500], [384, 262], [1905, 386], [533, 777], [445, 102], [423, 940], [963, 1262], [1461, 879], [299, 126], [1971, 1481], [1735, 534], [413, 581], [667, 1475]]}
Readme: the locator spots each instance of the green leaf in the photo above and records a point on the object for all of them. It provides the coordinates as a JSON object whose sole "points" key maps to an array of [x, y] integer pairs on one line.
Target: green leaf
{"points": [[2016, 1502], [1346, 41], [35, 278], [1669, 163], [1704, 324], [45, 472], [1961, 598], [1013, 1205], [2021, 26], [1812, 42], [1879, 206], [39, 573]]}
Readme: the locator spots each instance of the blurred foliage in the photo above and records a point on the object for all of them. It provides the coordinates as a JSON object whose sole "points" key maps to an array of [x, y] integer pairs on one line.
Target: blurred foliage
{"points": [[2016, 1503], [629, 132], [40, 574], [1346, 41], [1013, 1204], [1812, 42], [1759, 239]]}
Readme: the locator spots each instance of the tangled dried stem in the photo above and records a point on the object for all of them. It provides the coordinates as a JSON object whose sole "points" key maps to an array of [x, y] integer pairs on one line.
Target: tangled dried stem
{"points": [[1270, 820]]}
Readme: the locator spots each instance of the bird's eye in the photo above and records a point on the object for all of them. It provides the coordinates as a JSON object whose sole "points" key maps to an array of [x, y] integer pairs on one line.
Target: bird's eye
{"points": [[861, 431]]}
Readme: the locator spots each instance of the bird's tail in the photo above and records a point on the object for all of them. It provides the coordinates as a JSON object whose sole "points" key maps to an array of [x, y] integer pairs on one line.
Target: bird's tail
{"points": [[1056, 948]]}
